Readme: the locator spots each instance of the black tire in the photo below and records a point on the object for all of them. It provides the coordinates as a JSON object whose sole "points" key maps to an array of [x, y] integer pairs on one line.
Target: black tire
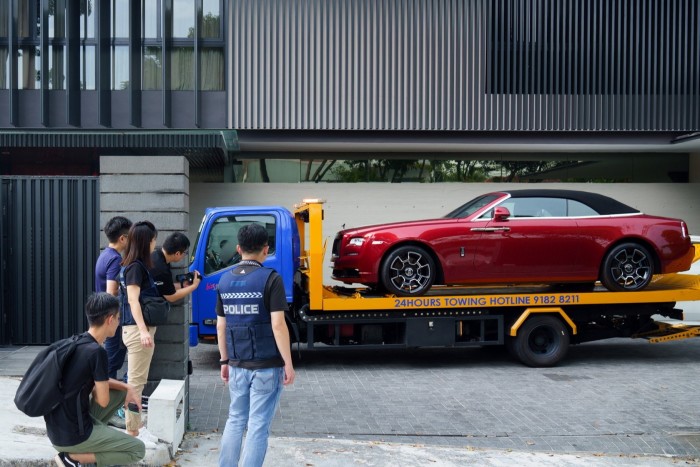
{"points": [[408, 271], [542, 341], [627, 267]]}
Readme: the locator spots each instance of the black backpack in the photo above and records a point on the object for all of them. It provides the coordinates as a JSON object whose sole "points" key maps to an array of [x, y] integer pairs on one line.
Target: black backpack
{"points": [[41, 389]]}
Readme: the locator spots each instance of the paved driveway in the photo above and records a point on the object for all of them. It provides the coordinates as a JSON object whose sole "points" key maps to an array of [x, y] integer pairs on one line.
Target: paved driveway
{"points": [[615, 396]]}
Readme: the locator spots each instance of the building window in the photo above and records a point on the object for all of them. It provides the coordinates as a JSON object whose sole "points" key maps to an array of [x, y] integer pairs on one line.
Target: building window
{"points": [[88, 46], [120, 19], [120, 44], [28, 19], [183, 19], [4, 67], [57, 19], [87, 67], [28, 60], [152, 68], [57, 67], [211, 19], [120, 67], [28, 66], [151, 19], [182, 69], [87, 19], [211, 75], [4, 46]]}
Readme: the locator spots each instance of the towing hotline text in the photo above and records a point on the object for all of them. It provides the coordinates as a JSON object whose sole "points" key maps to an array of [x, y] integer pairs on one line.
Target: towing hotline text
{"points": [[504, 300]]}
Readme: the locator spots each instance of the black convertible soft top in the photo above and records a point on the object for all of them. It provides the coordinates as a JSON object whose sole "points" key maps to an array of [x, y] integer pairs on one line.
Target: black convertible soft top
{"points": [[600, 203]]}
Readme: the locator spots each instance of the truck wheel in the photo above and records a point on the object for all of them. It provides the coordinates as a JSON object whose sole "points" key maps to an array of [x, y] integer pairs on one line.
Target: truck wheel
{"points": [[542, 341], [408, 271], [627, 267]]}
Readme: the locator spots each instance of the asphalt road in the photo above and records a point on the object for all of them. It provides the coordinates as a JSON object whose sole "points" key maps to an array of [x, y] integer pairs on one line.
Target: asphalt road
{"points": [[616, 396]]}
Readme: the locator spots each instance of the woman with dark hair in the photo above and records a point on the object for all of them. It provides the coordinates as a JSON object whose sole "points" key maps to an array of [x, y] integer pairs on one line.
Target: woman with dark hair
{"points": [[135, 281]]}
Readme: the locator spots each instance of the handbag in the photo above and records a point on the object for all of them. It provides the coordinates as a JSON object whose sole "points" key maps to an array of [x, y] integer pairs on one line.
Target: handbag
{"points": [[154, 309]]}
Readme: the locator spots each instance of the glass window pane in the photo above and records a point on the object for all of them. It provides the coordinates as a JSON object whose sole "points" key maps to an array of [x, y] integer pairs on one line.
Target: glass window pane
{"points": [[57, 67], [87, 67], [150, 19], [211, 24], [152, 68], [4, 12], [183, 18], [57, 18], [4, 68], [221, 244], [211, 75], [120, 67], [120, 18], [28, 19], [87, 19], [28, 67], [182, 72]]}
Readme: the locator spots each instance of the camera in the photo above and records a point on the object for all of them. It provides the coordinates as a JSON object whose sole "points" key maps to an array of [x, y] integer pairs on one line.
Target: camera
{"points": [[188, 277]]}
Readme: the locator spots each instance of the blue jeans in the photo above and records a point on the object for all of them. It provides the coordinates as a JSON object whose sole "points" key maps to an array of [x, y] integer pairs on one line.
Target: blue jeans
{"points": [[116, 352], [254, 398]]}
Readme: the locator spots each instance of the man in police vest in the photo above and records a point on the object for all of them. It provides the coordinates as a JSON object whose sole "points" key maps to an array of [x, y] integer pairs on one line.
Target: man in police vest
{"points": [[256, 359]]}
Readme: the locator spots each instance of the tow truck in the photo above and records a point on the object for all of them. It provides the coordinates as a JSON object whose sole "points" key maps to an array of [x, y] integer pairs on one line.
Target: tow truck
{"points": [[536, 323]]}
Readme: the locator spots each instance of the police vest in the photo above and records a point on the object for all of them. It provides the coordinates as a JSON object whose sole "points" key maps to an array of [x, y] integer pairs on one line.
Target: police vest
{"points": [[249, 333]]}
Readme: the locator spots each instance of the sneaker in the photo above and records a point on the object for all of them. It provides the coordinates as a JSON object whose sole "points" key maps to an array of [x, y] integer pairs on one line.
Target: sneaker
{"points": [[63, 460], [118, 420]]}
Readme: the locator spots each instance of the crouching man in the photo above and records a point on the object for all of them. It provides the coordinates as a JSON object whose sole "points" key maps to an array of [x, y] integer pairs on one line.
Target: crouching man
{"points": [[81, 435]]}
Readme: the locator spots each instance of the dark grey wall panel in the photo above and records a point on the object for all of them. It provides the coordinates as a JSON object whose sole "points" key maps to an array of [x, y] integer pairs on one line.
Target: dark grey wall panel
{"points": [[89, 109], [182, 109], [121, 110], [4, 109], [53, 238], [152, 109], [466, 65], [213, 109], [29, 112], [58, 110]]}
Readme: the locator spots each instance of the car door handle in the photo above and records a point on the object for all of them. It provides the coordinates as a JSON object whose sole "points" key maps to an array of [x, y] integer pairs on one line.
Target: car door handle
{"points": [[491, 229]]}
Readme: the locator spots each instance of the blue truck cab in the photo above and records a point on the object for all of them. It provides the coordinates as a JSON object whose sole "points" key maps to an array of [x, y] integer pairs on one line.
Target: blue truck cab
{"points": [[214, 253]]}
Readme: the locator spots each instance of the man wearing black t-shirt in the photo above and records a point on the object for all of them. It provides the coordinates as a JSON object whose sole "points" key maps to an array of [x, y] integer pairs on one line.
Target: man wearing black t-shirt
{"points": [[174, 249], [84, 437]]}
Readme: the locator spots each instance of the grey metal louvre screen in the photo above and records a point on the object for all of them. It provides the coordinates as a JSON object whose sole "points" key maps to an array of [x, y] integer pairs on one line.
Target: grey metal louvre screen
{"points": [[483, 65], [49, 258]]}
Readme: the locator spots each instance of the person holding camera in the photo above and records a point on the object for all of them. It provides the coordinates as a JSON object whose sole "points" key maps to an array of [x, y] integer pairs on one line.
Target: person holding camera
{"points": [[174, 249]]}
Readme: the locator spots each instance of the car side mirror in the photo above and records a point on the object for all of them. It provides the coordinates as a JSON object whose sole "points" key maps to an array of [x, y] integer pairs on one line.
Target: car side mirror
{"points": [[501, 214]]}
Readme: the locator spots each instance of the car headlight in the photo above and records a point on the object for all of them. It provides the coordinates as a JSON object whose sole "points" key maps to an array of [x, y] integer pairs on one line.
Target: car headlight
{"points": [[357, 241]]}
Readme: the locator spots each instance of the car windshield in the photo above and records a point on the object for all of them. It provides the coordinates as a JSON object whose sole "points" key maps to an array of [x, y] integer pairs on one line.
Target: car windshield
{"points": [[472, 206]]}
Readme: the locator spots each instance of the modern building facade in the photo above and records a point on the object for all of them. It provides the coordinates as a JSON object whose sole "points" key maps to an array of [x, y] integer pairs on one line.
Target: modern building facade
{"points": [[156, 99]]}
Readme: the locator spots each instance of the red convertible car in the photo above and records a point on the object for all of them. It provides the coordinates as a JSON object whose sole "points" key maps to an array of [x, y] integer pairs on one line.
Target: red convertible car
{"points": [[518, 236]]}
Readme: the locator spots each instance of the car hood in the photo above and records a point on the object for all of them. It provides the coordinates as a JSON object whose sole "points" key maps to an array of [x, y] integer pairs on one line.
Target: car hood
{"points": [[395, 227]]}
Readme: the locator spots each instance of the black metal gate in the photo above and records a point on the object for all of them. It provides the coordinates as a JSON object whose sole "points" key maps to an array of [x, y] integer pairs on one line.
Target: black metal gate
{"points": [[50, 241]]}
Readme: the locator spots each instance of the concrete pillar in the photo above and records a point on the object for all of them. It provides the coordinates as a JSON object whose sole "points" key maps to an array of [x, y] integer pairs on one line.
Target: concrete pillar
{"points": [[694, 167], [154, 188]]}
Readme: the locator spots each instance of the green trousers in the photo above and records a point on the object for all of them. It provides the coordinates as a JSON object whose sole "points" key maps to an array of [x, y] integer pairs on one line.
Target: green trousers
{"points": [[110, 446]]}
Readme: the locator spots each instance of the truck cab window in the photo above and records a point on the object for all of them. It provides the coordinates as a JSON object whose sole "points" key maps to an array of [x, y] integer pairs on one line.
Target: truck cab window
{"points": [[223, 238]]}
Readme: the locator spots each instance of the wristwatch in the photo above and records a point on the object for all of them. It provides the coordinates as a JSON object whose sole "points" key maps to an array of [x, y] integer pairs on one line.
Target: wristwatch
{"points": [[223, 362]]}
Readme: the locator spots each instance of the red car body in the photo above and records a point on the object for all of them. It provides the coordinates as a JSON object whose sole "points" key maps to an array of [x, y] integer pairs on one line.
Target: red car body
{"points": [[545, 236]]}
